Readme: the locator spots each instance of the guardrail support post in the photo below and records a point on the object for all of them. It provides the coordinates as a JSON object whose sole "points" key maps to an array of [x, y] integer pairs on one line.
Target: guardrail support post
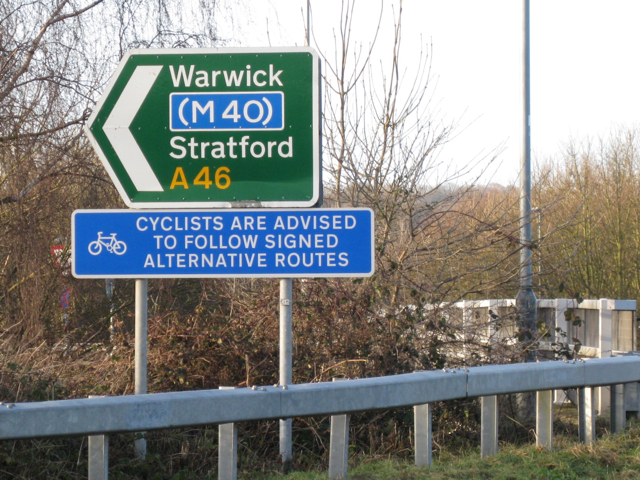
{"points": [[544, 419], [618, 414], [339, 447], [489, 426], [339, 444], [98, 455], [227, 449], [423, 435], [631, 402], [587, 414]]}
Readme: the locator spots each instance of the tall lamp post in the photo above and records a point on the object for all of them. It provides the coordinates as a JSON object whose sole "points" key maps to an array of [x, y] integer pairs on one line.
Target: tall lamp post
{"points": [[526, 298], [538, 210]]}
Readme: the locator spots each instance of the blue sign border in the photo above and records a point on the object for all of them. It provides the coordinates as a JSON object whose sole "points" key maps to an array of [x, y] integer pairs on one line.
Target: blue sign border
{"points": [[233, 243]]}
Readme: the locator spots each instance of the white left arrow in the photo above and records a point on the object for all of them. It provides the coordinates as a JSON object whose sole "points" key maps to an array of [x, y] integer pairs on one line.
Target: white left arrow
{"points": [[116, 128]]}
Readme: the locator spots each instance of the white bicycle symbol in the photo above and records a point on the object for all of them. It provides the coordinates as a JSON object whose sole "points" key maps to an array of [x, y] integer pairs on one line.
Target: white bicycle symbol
{"points": [[109, 242]]}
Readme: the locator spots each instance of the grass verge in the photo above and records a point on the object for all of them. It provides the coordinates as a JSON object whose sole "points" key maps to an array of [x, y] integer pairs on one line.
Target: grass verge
{"points": [[611, 457]]}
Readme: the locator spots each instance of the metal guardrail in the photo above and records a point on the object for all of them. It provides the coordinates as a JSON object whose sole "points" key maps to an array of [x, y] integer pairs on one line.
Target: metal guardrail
{"points": [[106, 415]]}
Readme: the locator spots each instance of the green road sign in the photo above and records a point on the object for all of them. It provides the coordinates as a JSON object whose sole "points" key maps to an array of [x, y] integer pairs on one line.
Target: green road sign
{"points": [[212, 128]]}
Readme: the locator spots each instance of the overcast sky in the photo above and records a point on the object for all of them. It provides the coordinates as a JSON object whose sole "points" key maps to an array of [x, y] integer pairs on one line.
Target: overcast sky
{"points": [[584, 63]]}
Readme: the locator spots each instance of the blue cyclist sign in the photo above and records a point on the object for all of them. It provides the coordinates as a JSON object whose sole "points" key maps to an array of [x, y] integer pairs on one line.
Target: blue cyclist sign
{"points": [[222, 243]]}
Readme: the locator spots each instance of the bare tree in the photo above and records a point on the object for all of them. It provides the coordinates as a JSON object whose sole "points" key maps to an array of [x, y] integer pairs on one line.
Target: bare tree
{"points": [[382, 145], [595, 186], [55, 59]]}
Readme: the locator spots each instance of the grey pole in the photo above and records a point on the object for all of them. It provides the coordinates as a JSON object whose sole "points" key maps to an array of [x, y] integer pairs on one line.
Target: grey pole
{"points": [[526, 298], [286, 376], [286, 369], [141, 354]]}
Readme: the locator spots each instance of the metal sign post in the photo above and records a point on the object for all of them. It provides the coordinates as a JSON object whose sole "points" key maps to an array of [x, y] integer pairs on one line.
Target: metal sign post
{"points": [[286, 363], [141, 354], [109, 286], [212, 128]]}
